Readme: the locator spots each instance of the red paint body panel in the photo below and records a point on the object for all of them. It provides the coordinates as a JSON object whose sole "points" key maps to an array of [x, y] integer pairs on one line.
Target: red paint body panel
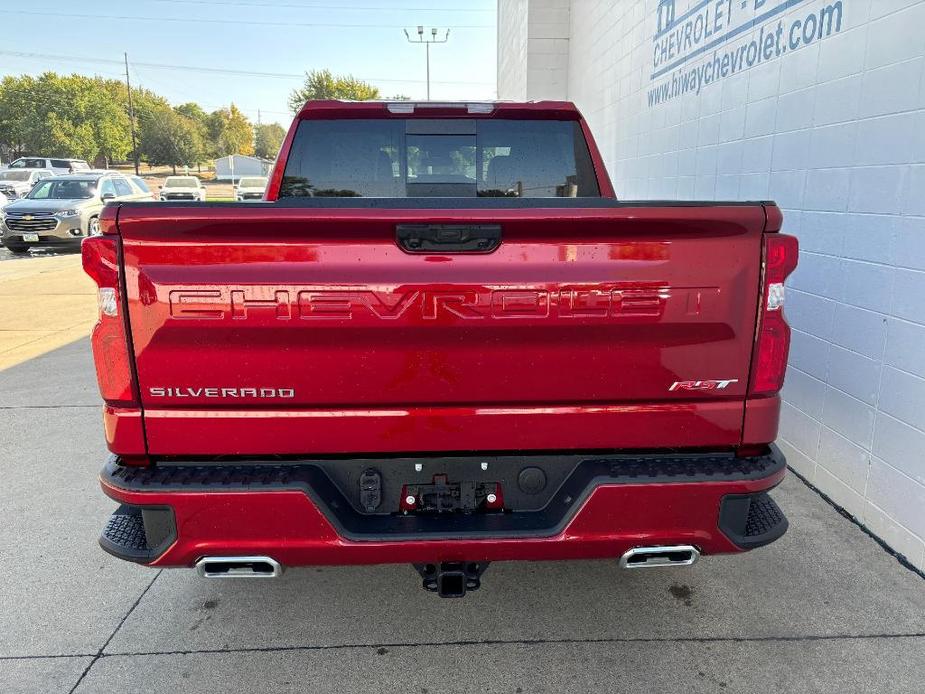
{"points": [[287, 526], [400, 429], [762, 416], [124, 430]]}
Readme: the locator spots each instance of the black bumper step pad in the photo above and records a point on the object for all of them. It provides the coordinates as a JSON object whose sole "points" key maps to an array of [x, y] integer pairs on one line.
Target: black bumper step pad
{"points": [[764, 515], [138, 534], [752, 520], [246, 474]]}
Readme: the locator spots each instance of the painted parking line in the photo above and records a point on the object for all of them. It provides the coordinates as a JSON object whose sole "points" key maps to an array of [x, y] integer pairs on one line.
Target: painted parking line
{"points": [[45, 303]]}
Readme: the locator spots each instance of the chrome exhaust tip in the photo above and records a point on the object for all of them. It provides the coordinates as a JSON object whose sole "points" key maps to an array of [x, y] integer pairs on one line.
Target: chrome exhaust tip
{"points": [[652, 557], [238, 567]]}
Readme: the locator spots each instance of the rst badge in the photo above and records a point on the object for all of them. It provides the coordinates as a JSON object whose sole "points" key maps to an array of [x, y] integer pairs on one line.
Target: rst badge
{"points": [[708, 384]]}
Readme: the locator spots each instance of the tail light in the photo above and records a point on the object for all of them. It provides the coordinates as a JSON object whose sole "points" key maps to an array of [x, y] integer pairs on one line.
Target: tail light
{"points": [[769, 361], [109, 338]]}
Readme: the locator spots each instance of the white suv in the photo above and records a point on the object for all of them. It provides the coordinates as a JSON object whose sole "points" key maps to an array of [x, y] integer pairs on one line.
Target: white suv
{"points": [[250, 188], [182, 188]]}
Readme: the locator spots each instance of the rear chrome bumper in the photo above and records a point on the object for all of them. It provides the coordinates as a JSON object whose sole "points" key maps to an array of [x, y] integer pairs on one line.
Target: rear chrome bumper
{"points": [[302, 514]]}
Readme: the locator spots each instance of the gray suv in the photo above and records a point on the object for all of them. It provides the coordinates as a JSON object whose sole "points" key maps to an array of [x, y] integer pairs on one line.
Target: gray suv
{"points": [[61, 210]]}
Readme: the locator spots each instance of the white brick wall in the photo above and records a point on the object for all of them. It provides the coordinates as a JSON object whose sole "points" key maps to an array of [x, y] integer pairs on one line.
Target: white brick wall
{"points": [[533, 38], [512, 49], [834, 130]]}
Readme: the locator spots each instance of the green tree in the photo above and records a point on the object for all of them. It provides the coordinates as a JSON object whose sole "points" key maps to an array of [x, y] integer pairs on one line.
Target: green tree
{"points": [[148, 108], [147, 101], [193, 111], [13, 135], [64, 116], [322, 84], [231, 132], [268, 138], [200, 118], [113, 126], [168, 137]]}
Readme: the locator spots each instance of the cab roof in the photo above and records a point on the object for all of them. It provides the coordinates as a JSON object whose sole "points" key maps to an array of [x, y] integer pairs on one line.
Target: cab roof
{"points": [[539, 110]]}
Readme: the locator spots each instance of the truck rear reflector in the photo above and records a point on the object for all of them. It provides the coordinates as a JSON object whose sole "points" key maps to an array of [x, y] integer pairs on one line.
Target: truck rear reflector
{"points": [[769, 362], [109, 339]]}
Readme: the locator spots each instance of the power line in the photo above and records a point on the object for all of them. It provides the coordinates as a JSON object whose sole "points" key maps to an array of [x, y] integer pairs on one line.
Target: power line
{"points": [[187, 20], [72, 59], [145, 78], [218, 70]]}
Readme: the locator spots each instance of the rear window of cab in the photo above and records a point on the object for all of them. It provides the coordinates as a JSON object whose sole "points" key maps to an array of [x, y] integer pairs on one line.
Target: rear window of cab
{"points": [[439, 157]]}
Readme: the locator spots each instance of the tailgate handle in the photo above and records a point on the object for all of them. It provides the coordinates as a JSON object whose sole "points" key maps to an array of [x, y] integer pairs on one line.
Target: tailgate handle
{"points": [[448, 238]]}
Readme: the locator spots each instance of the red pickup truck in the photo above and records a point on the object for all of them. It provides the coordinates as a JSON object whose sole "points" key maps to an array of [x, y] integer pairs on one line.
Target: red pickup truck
{"points": [[440, 340]]}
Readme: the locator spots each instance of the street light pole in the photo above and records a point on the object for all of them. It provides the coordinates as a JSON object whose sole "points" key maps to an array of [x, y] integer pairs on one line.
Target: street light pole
{"points": [[433, 39]]}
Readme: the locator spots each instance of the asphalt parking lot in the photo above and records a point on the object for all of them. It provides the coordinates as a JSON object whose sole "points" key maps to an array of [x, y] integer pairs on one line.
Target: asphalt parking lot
{"points": [[825, 609]]}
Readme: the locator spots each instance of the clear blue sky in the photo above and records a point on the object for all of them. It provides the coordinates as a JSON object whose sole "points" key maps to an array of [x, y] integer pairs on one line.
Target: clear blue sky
{"points": [[270, 36]]}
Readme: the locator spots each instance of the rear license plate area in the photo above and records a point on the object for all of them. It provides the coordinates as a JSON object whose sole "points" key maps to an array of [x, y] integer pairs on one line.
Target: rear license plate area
{"points": [[443, 496]]}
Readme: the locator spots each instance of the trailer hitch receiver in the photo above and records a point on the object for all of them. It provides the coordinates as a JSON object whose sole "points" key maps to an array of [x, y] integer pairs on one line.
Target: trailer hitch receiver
{"points": [[451, 579]]}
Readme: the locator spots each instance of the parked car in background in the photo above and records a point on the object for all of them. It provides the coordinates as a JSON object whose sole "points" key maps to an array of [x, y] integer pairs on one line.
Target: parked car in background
{"points": [[3, 201], [250, 188], [178, 188], [61, 210], [58, 166], [143, 186], [15, 183]]}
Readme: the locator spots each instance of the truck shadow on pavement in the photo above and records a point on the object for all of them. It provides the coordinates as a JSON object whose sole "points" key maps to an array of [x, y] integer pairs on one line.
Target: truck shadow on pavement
{"points": [[804, 586]]}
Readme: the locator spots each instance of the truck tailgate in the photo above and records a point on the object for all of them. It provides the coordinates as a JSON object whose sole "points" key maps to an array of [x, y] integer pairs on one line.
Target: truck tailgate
{"points": [[293, 330]]}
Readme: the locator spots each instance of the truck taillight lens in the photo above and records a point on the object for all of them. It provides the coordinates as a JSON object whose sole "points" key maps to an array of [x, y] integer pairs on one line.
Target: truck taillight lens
{"points": [[109, 338], [769, 362]]}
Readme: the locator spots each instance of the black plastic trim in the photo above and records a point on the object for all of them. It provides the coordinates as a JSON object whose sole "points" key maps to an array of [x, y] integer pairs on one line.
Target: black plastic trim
{"points": [[448, 238], [44, 241], [139, 533], [310, 477], [741, 514]]}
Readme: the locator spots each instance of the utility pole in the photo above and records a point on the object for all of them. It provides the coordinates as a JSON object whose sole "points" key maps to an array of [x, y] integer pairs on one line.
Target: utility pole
{"points": [[433, 39], [131, 114], [257, 133]]}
